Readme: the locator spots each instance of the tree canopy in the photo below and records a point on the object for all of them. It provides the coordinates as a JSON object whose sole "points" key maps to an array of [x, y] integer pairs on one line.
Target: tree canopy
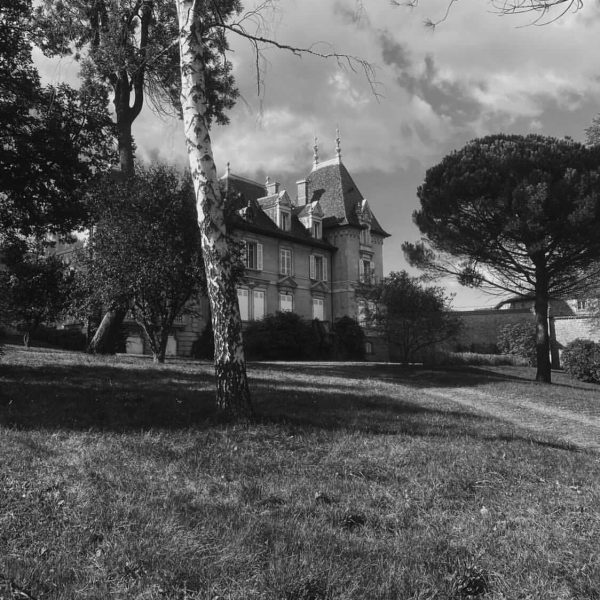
{"points": [[52, 139], [145, 247], [408, 315], [514, 213], [130, 47], [34, 285]]}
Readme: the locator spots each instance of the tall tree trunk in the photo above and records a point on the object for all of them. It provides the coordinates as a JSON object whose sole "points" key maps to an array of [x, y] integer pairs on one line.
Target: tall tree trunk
{"points": [[233, 395], [106, 336], [544, 367]]}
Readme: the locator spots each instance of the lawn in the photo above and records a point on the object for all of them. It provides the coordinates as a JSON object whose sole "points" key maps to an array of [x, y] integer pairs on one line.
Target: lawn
{"points": [[354, 482]]}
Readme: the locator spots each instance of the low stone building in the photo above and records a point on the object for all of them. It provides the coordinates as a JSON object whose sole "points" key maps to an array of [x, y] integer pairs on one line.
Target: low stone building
{"points": [[567, 320]]}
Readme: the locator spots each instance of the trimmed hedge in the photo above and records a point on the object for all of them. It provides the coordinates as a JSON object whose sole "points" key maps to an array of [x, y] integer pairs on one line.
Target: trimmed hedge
{"points": [[68, 339], [282, 336], [581, 359], [286, 336]]}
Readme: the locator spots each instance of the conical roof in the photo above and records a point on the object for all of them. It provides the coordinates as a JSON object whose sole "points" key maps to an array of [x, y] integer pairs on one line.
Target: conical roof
{"points": [[332, 185]]}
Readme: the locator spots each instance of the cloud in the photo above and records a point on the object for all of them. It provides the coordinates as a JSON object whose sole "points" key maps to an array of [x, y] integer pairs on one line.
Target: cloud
{"points": [[475, 75]]}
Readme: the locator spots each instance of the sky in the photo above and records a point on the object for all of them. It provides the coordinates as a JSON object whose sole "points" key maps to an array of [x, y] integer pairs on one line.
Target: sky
{"points": [[476, 73]]}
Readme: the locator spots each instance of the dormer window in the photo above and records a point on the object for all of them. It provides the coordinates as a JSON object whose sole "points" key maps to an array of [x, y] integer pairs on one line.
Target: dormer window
{"points": [[365, 236], [311, 216], [316, 230], [284, 220]]}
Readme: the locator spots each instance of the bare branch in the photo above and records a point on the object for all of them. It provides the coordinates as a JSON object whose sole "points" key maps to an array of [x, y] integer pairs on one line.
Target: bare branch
{"points": [[349, 61]]}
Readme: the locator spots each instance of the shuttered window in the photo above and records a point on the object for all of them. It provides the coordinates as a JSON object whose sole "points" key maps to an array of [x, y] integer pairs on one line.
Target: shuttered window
{"points": [[242, 294], [318, 267]]}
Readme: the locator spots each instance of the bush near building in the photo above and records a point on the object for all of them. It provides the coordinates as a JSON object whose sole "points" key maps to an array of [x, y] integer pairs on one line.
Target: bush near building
{"points": [[581, 359], [519, 339], [349, 339], [282, 336]]}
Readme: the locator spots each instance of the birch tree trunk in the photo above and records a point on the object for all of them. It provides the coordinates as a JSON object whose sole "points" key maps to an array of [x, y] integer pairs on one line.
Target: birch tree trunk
{"points": [[233, 395]]}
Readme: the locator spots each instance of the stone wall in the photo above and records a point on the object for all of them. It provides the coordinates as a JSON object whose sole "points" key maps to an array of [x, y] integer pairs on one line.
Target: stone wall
{"points": [[481, 328], [567, 329]]}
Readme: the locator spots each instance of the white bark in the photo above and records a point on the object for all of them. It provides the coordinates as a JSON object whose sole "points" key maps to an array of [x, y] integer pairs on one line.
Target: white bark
{"points": [[230, 367]]}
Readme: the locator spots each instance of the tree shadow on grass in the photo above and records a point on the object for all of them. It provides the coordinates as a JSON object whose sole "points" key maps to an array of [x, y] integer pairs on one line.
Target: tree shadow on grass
{"points": [[389, 416], [423, 376], [124, 398], [104, 397]]}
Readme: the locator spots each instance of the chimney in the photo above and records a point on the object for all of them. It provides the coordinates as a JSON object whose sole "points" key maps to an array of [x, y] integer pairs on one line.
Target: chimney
{"points": [[272, 188], [302, 192]]}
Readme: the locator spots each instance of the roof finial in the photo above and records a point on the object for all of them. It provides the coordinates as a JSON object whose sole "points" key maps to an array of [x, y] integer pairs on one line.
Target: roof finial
{"points": [[267, 181], [316, 154], [228, 172], [338, 148]]}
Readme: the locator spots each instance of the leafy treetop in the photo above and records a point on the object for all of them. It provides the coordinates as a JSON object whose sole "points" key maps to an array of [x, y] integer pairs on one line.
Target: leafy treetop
{"points": [[52, 139], [518, 206]]}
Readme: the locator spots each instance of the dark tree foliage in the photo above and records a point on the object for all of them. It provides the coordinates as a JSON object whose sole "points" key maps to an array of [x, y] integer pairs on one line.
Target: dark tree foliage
{"points": [[52, 139], [145, 247], [130, 47], [409, 316], [34, 285], [513, 213], [282, 336], [349, 339]]}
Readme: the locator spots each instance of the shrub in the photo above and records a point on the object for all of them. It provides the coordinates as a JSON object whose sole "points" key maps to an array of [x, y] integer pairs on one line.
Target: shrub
{"points": [[204, 346], [581, 359], [349, 339], [68, 339], [282, 336], [519, 339], [477, 359]]}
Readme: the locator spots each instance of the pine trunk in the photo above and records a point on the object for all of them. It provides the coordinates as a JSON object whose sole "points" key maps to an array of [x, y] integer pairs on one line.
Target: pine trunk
{"points": [[233, 395], [544, 366]]}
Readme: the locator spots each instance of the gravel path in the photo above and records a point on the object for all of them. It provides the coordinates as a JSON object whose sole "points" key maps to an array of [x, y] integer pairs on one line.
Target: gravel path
{"points": [[576, 428]]}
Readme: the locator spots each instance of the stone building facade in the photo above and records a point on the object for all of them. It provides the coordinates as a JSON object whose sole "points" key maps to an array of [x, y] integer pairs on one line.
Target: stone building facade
{"points": [[305, 251]]}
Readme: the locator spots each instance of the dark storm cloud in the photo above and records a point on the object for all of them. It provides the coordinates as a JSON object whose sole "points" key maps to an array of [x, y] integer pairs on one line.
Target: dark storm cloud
{"points": [[447, 98]]}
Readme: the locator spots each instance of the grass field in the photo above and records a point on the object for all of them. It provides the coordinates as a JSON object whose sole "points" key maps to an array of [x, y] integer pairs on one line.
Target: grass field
{"points": [[354, 482]]}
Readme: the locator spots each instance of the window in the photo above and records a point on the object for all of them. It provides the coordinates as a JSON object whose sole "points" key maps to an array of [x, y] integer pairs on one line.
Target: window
{"points": [[317, 230], [253, 256], [361, 313], [582, 304], [365, 236], [242, 295], [368, 347], [318, 309], [318, 267], [258, 305], [286, 302], [285, 220], [365, 269], [285, 261]]}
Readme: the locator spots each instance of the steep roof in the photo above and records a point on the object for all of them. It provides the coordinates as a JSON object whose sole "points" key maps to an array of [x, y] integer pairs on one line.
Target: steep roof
{"points": [[331, 184], [254, 219], [248, 189]]}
